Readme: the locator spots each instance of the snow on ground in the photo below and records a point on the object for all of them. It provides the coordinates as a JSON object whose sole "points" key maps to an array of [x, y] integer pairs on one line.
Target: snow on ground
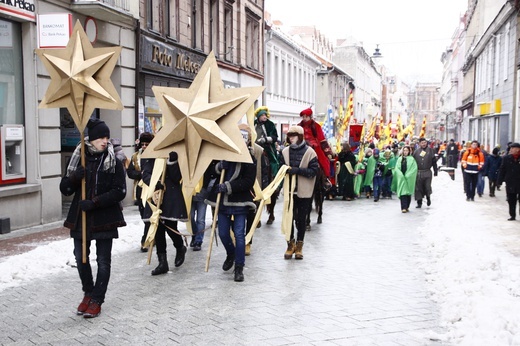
{"points": [[57, 256], [472, 272], [473, 276]]}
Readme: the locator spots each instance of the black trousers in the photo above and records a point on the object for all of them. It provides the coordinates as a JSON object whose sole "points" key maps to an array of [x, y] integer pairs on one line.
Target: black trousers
{"points": [[160, 236], [470, 184], [301, 207], [405, 201], [512, 200]]}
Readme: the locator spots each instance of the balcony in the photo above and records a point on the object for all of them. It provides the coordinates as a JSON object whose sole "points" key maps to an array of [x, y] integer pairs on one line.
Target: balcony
{"points": [[108, 10]]}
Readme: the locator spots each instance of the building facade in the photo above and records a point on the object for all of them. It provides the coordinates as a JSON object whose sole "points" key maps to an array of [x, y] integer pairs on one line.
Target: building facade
{"points": [[37, 142], [175, 37], [290, 79]]}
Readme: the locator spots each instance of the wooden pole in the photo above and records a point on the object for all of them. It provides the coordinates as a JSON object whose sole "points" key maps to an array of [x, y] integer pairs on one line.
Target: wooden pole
{"points": [[83, 196], [214, 223]]}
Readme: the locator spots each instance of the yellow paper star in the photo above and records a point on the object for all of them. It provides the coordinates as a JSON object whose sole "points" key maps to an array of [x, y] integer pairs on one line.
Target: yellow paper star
{"points": [[80, 77], [201, 123]]}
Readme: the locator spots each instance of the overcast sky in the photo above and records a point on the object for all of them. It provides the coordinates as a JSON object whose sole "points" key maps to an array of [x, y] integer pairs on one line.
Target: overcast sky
{"points": [[412, 34]]}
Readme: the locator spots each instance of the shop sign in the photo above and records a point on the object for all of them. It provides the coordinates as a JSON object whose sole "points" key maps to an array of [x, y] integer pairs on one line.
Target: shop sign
{"points": [[54, 30], [6, 34], [22, 9], [169, 59]]}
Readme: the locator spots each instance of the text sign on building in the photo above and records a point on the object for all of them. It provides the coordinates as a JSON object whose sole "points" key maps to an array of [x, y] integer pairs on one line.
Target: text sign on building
{"points": [[21, 9], [169, 59], [54, 30]]}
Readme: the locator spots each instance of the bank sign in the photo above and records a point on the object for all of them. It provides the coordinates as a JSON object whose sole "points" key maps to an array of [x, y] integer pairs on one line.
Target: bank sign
{"points": [[22, 9], [54, 30], [169, 59]]}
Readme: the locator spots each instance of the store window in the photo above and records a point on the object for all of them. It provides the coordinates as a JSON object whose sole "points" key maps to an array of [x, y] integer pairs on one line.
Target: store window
{"points": [[11, 74]]}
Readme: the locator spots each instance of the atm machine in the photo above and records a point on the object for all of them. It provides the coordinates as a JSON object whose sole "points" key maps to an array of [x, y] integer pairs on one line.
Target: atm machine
{"points": [[12, 155]]}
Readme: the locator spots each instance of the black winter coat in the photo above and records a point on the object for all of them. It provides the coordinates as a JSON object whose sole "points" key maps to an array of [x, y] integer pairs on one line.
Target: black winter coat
{"points": [[491, 167], [106, 189], [510, 174], [173, 206], [239, 180]]}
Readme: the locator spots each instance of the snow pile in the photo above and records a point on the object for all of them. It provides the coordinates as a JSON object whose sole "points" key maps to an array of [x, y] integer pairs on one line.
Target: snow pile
{"points": [[473, 277], [57, 256]]}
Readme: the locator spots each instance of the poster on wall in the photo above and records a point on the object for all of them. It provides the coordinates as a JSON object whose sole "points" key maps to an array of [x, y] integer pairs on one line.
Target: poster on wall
{"points": [[54, 30]]}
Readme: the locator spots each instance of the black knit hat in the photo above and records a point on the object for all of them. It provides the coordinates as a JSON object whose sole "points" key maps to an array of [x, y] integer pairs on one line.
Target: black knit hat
{"points": [[97, 129]]}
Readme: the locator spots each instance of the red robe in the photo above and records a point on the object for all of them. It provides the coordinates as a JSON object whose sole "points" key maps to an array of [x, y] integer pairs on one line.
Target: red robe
{"points": [[317, 141]]}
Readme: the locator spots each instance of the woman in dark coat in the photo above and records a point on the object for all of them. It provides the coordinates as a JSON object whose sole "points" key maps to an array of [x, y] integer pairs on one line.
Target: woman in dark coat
{"points": [[510, 174], [173, 210], [346, 174], [105, 188], [490, 169]]}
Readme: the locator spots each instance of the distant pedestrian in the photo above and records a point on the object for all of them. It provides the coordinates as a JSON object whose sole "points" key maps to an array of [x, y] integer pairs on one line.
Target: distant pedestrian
{"points": [[491, 167], [510, 174], [347, 173], [405, 176], [105, 188], [481, 180], [118, 151], [472, 162], [426, 160], [452, 154]]}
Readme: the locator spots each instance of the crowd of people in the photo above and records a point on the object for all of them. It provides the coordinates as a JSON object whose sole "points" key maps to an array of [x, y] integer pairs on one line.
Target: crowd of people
{"points": [[307, 165]]}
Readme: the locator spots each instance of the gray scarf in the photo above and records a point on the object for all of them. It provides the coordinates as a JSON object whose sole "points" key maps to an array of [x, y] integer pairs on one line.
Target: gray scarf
{"points": [[109, 165]]}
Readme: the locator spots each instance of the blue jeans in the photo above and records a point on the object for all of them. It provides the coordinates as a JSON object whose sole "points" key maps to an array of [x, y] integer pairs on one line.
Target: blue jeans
{"points": [[387, 183], [98, 289], [481, 183], [239, 228], [377, 184], [198, 220]]}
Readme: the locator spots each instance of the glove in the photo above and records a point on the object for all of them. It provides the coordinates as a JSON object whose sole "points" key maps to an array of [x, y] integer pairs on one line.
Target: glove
{"points": [[159, 186], [78, 174], [294, 170], [224, 165], [86, 205], [260, 140], [435, 174], [173, 156], [222, 188]]}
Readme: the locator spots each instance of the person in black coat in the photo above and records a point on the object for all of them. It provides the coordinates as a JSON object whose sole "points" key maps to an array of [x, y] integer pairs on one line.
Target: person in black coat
{"points": [[173, 210], [345, 177], [452, 153], [510, 174], [235, 202], [105, 189], [490, 169]]}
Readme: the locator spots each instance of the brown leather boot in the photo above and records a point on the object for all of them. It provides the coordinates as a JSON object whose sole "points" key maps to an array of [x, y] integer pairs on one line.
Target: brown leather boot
{"points": [[298, 251], [290, 249]]}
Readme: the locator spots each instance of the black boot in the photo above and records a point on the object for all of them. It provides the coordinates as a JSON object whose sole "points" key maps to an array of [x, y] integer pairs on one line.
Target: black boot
{"points": [[419, 203], [162, 268], [239, 273], [179, 256], [228, 263]]}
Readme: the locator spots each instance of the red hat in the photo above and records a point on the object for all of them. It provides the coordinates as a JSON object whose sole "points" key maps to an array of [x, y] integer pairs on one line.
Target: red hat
{"points": [[307, 112]]}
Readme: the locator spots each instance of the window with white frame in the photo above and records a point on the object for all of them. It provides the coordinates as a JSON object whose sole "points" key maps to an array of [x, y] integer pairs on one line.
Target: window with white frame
{"points": [[496, 72], [228, 32], [252, 40], [506, 51]]}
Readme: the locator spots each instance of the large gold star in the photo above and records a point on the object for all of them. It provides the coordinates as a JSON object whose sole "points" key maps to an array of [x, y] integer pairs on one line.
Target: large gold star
{"points": [[201, 123], [80, 77]]}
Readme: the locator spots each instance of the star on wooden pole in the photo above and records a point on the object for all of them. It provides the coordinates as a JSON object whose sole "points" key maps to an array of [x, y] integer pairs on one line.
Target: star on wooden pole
{"points": [[80, 77], [201, 124], [80, 82]]}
